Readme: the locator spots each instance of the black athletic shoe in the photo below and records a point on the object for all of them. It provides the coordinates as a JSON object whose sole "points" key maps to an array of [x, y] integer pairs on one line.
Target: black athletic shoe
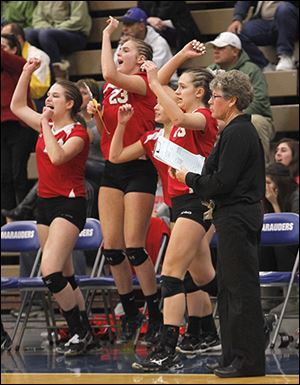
{"points": [[210, 342], [161, 358], [77, 345], [94, 345], [6, 342], [129, 326], [189, 345]]}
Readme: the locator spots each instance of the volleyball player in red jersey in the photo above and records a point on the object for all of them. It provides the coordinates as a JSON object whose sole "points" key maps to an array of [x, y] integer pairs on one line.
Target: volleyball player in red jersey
{"points": [[61, 153], [188, 248], [127, 191], [145, 146]]}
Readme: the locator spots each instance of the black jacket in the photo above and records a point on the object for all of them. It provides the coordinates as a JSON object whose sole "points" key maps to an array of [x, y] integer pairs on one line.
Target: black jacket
{"points": [[234, 172]]}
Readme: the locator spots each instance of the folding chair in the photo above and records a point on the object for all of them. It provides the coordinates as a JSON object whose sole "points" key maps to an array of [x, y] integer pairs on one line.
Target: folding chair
{"points": [[280, 229], [90, 238], [20, 236]]}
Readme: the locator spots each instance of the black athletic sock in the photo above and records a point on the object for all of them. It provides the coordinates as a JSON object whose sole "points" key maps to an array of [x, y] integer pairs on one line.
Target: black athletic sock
{"points": [[194, 326], [153, 307], [129, 304], [169, 338], [85, 320], [74, 321], [208, 325]]}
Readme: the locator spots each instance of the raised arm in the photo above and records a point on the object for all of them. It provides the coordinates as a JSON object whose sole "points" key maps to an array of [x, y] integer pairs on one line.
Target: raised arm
{"points": [[118, 153], [174, 112], [191, 50], [110, 73], [18, 103]]}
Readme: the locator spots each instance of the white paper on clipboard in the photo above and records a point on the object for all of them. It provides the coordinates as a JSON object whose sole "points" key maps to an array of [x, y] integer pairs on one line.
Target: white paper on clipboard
{"points": [[177, 157]]}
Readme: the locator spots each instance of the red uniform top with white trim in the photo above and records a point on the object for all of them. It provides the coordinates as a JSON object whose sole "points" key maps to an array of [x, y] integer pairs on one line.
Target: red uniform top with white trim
{"points": [[148, 141], [195, 141], [141, 121], [67, 179]]}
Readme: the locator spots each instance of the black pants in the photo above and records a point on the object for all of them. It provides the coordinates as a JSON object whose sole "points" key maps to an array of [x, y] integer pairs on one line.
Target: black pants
{"points": [[16, 144], [241, 319]]}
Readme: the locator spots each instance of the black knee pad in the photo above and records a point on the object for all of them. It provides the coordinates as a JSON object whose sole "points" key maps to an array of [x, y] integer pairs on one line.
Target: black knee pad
{"points": [[171, 286], [211, 287], [189, 284], [55, 282], [136, 255], [72, 281], [114, 256]]}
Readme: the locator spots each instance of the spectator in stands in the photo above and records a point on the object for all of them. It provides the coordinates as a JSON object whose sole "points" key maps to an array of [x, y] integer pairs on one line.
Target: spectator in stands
{"points": [[228, 54], [282, 195], [135, 25], [287, 153], [60, 28], [172, 20], [61, 215], [235, 166], [5, 339], [41, 79], [188, 248], [19, 12], [272, 23], [127, 191], [17, 139]]}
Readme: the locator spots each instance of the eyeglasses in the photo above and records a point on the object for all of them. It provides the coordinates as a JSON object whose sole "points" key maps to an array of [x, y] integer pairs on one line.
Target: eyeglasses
{"points": [[213, 97]]}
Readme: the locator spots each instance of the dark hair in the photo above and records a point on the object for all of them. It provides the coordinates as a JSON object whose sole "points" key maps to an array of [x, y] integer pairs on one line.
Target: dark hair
{"points": [[72, 93], [294, 146], [201, 78], [286, 185], [12, 42], [93, 86], [16, 30]]}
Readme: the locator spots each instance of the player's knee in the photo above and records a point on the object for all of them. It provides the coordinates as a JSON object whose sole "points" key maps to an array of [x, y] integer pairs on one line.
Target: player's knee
{"points": [[55, 282], [72, 281], [114, 256], [189, 284], [136, 255], [171, 286]]}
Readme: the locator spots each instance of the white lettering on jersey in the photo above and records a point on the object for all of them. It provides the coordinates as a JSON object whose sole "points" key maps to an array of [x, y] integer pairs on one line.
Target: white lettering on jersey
{"points": [[180, 132], [118, 96]]}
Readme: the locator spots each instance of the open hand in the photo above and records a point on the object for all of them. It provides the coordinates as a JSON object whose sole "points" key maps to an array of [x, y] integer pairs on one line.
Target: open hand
{"points": [[151, 70], [112, 25]]}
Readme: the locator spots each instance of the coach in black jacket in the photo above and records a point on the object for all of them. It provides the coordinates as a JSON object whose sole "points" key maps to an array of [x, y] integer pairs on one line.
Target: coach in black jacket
{"points": [[234, 178]]}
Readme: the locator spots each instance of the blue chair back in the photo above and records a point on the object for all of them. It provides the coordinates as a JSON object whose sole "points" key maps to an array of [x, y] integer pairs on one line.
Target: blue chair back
{"points": [[91, 236], [19, 236], [280, 229]]}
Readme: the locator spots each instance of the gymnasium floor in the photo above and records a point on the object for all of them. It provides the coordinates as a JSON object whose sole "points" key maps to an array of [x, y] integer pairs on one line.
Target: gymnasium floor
{"points": [[37, 363]]}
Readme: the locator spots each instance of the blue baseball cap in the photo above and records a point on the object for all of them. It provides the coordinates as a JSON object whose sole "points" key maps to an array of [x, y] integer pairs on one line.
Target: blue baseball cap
{"points": [[135, 15]]}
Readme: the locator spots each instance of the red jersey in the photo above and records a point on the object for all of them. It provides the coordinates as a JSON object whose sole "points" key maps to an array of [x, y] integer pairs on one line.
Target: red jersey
{"points": [[195, 141], [141, 121], [67, 179], [148, 141]]}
